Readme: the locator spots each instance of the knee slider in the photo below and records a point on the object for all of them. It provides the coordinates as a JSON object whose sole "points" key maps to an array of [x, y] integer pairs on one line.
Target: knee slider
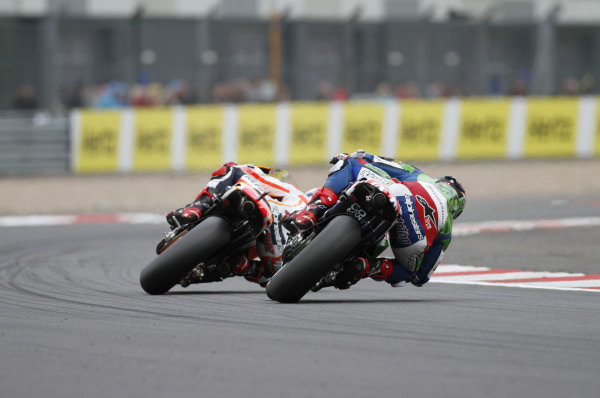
{"points": [[398, 274]]}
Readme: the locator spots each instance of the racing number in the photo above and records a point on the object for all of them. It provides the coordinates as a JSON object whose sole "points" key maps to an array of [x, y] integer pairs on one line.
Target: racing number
{"points": [[356, 212]]}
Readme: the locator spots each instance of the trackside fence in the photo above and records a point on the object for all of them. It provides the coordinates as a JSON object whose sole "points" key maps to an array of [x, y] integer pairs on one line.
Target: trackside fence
{"points": [[305, 133], [34, 144]]}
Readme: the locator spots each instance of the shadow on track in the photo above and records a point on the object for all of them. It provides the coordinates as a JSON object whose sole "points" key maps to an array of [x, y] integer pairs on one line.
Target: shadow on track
{"points": [[215, 292], [370, 301]]}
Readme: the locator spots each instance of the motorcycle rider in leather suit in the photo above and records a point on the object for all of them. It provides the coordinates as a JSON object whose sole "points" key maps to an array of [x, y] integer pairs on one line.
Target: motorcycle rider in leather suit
{"points": [[422, 231], [262, 261]]}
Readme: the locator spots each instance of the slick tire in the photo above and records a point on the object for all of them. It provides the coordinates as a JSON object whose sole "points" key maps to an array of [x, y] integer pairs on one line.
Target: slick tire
{"points": [[202, 242], [327, 249]]}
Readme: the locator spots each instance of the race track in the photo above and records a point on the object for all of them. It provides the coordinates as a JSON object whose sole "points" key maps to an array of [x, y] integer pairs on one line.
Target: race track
{"points": [[75, 323]]}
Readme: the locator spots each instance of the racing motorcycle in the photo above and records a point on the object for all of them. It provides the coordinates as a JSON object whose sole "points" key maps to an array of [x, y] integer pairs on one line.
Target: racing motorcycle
{"points": [[355, 226], [197, 252]]}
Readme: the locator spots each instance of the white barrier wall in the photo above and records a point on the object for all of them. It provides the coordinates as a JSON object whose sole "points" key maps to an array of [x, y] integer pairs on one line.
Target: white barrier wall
{"points": [[201, 137]]}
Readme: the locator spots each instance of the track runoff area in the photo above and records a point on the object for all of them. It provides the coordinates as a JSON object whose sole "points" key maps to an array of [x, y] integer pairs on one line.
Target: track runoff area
{"points": [[445, 273]]}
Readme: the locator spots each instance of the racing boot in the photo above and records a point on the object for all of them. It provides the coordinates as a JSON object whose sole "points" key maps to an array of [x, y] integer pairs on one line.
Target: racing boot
{"points": [[256, 274], [193, 211], [381, 269], [251, 270], [304, 219], [239, 265], [391, 271], [354, 271]]}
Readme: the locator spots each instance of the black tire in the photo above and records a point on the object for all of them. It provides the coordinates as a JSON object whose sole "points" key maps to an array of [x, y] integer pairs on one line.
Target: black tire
{"points": [[202, 242], [327, 249]]}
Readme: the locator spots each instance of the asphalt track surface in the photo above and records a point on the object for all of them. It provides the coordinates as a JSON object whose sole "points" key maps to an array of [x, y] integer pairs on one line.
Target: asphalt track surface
{"points": [[75, 323]]}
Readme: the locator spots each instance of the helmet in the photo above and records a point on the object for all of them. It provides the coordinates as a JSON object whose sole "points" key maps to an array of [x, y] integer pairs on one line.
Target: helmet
{"points": [[223, 169], [454, 193]]}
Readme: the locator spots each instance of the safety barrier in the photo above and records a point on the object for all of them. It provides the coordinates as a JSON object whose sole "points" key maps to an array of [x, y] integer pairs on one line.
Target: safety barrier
{"points": [[296, 134], [33, 143]]}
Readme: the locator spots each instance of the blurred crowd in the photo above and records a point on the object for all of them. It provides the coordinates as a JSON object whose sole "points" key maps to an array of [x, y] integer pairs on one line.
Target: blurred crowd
{"points": [[179, 92], [118, 94]]}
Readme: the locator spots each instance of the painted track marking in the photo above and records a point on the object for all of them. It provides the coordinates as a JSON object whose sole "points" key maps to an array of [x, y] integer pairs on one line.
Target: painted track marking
{"points": [[464, 229], [120, 218], [471, 275]]}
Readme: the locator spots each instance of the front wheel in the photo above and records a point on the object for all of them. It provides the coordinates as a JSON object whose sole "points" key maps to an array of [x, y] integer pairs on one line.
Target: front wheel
{"points": [[327, 249], [199, 244]]}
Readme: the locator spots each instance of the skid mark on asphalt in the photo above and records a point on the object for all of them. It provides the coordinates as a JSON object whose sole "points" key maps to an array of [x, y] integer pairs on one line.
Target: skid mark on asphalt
{"points": [[471, 275], [444, 274]]}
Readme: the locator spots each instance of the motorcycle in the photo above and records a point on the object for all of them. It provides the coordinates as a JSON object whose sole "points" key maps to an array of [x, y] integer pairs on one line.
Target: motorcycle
{"points": [[355, 226], [198, 252]]}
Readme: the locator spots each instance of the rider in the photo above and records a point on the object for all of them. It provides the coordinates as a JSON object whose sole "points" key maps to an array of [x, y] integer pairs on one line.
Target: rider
{"points": [[283, 198], [423, 229]]}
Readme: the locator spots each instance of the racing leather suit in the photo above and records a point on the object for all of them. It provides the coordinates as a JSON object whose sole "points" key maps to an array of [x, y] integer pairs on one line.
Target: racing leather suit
{"points": [[423, 230], [283, 198]]}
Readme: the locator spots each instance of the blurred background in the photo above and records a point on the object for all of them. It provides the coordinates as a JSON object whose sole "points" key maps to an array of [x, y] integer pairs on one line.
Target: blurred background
{"points": [[60, 54], [96, 85]]}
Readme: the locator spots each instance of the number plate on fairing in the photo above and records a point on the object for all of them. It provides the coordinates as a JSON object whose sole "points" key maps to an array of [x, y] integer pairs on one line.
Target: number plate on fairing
{"points": [[356, 212], [253, 182]]}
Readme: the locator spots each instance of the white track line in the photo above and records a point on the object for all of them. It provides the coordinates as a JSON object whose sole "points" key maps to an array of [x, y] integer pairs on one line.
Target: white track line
{"points": [[526, 286], [35, 221], [503, 276], [470, 275], [459, 268], [42, 220], [463, 229], [585, 283]]}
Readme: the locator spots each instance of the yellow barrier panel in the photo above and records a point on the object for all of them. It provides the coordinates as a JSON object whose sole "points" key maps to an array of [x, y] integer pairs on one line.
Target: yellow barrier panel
{"points": [[597, 145], [362, 127], [204, 137], [551, 127], [99, 141], [256, 129], [483, 128], [420, 129], [308, 143], [152, 145]]}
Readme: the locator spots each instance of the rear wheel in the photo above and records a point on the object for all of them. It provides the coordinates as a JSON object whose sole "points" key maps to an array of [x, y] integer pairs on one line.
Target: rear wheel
{"points": [[202, 242], [327, 249]]}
